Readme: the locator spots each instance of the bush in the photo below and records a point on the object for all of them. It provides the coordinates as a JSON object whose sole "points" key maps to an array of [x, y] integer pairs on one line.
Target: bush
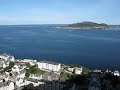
{"points": [[85, 70]]}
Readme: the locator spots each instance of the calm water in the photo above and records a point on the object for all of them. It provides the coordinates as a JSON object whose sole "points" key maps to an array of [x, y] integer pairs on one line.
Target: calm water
{"points": [[90, 48]]}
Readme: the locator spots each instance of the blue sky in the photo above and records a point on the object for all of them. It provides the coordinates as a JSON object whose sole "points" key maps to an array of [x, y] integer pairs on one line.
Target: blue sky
{"points": [[59, 11]]}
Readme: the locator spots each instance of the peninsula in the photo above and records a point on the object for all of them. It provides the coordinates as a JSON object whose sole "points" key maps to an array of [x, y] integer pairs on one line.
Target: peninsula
{"points": [[86, 25]]}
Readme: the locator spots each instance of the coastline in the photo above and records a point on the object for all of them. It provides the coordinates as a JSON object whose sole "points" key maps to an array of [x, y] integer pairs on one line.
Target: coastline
{"points": [[78, 28]]}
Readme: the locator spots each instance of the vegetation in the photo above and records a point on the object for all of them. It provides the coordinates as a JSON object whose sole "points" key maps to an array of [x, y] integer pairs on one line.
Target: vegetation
{"points": [[87, 24], [85, 70], [71, 76], [11, 65], [32, 70], [63, 76], [67, 76]]}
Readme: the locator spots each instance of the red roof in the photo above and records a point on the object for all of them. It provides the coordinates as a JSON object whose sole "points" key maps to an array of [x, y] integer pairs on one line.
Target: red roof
{"points": [[23, 62]]}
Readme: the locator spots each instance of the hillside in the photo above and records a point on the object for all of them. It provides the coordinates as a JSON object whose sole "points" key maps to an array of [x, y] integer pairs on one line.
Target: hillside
{"points": [[87, 24]]}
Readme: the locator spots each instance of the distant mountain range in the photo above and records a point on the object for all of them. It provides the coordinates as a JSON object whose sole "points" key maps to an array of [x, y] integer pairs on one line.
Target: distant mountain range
{"points": [[87, 25]]}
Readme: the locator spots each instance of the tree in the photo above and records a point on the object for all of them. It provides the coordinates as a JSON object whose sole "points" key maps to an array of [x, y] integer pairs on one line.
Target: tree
{"points": [[32, 70], [11, 65], [85, 70]]}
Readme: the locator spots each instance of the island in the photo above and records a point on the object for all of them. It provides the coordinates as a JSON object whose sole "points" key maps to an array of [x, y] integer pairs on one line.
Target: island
{"points": [[86, 25]]}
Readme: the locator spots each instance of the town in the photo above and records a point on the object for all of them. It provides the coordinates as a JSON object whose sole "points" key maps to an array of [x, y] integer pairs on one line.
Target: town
{"points": [[29, 74]]}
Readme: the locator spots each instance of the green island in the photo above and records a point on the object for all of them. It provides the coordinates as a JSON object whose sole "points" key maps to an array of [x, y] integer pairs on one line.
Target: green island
{"points": [[86, 25]]}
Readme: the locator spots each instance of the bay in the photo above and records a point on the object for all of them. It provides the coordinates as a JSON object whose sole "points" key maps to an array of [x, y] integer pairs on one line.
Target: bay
{"points": [[90, 48]]}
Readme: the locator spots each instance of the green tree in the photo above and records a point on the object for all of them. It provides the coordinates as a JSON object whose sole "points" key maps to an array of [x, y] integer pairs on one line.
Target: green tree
{"points": [[32, 70], [85, 70], [11, 65]]}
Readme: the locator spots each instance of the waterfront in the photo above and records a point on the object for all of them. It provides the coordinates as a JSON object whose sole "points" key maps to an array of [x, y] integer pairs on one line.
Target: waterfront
{"points": [[90, 48]]}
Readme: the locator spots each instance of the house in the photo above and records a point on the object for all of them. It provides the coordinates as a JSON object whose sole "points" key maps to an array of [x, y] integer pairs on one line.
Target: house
{"points": [[70, 69], [7, 85], [97, 71], [26, 61], [15, 68], [50, 66], [116, 73], [36, 76], [78, 71], [35, 82], [50, 76], [6, 57], [30, 60]]}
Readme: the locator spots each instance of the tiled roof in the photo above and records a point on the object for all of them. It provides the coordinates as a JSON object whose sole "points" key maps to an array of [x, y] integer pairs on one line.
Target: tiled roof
{"points": [[22, 62]]}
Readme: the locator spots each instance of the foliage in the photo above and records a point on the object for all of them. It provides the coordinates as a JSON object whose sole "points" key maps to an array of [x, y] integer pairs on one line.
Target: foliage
{"points": [[63, 76], [28, 65], [32, 70], [67, 76], [85, 70], [87, 24], [11, 65], [71, 76], [27, 74]]}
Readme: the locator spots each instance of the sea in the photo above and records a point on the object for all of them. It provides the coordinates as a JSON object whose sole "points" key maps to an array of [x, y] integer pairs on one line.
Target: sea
{"points": [[95, 49]]}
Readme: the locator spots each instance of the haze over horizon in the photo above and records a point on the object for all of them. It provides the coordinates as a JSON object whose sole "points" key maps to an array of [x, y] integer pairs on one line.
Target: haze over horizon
{"points": [[58, 12]]}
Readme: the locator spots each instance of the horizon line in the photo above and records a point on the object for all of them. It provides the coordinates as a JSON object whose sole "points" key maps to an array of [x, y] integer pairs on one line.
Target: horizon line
{"points": [[51, 23]]}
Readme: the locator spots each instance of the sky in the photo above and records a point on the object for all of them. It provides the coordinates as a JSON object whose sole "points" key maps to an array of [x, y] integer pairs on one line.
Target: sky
{"points": [[59, 11]]}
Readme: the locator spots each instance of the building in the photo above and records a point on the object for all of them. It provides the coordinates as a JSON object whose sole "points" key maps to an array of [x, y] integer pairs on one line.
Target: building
{"points": [[6, 85], [97, 71], [50, 66], [71, 69], [26, 61], [30, 60], [116, 73], [6, 57], [36, 76], [78, 71]]}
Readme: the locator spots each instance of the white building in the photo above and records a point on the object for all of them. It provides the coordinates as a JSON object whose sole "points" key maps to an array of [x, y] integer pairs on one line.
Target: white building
{"points": [[15, 68], [97, 71], [36, 76], [78, 71], [48, 65], [116, 73], [33, 81], [6, 86], [71, 69], [30, 60], [6, 57], [25, 61]]}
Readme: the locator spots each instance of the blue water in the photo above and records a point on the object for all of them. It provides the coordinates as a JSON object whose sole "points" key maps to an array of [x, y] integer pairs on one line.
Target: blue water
{"points": [[90, 48]]}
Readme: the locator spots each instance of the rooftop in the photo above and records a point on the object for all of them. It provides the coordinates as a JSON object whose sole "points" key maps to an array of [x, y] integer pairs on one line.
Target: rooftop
{"points": [[49, 62]]}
